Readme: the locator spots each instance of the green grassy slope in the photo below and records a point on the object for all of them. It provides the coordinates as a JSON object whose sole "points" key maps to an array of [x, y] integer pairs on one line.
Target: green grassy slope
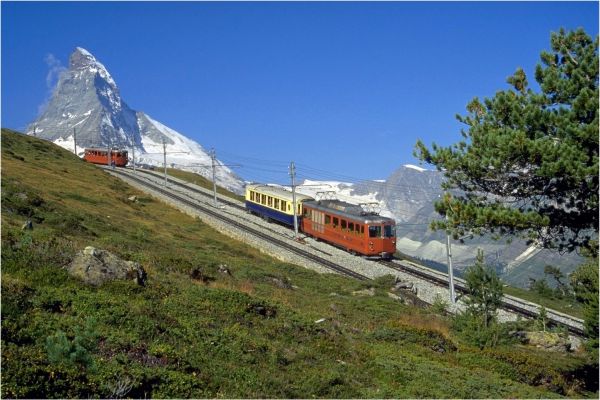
{"points": [[244, 335]]}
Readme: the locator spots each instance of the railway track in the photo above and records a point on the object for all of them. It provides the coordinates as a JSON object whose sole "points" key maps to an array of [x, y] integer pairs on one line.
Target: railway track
{"points": [[208, 210], [205, 193], [510, 303]]}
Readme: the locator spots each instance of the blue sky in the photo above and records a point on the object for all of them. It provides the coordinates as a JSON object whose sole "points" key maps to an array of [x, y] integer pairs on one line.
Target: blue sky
{"points": [[343, 89]]}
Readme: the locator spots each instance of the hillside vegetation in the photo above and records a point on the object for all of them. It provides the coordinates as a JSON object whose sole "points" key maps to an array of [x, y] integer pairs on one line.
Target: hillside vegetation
{"points": [[192, 331]]}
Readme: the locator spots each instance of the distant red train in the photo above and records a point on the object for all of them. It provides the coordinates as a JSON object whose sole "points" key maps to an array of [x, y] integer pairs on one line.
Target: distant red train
{"points": [[100, 156]]}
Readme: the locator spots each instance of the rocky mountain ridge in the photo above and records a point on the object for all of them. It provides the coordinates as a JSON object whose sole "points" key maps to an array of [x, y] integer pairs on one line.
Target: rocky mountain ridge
{"points": [[86, 107]]}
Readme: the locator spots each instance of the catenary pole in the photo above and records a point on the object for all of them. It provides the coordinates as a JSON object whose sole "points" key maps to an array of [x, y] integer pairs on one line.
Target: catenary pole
{"points": [[165, 159], [133, 156], [293, 176], [75, 140], [109, 155], [450, 270], [213, 157]]}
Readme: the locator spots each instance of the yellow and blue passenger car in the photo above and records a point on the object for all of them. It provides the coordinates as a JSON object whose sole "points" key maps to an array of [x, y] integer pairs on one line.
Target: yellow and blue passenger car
{"points": [[272, 202]]}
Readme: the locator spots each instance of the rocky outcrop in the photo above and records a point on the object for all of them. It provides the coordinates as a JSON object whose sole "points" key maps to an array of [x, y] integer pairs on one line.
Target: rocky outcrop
{"points": [[549, 341], [96, 266]]}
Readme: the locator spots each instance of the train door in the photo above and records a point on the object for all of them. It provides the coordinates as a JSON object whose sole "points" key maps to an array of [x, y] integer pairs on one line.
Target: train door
{"points": [[318, 221]]}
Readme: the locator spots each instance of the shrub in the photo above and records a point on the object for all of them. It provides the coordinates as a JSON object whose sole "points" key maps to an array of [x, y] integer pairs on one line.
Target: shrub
{"points": [[61, 350], [439, 305]]}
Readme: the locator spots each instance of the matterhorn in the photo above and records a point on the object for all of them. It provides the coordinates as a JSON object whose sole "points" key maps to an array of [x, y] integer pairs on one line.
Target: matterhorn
{"points": [[86, 108]]}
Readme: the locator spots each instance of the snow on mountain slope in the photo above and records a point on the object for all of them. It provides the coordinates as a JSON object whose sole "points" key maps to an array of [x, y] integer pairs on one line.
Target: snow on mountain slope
{"points": [[186, 154]]}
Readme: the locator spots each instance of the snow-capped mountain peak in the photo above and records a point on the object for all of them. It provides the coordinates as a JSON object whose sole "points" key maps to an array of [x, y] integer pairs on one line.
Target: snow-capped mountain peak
{"points": [[81, 59], [86, 102]]}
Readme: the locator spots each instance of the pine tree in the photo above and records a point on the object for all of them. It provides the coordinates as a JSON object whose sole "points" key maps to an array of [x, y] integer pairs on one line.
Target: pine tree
{"points": [[528, 163], [484, 289]]}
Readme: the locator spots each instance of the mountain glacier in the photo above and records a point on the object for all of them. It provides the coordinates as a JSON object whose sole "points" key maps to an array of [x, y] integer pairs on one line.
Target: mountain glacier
{"points": [[86, 105]]}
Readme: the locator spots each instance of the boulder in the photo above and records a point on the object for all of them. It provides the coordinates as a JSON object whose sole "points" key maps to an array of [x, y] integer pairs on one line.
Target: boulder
{"points": [[96, 266], [550, 341]]}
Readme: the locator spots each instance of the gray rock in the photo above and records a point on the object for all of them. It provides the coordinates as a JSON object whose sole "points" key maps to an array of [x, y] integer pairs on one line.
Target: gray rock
{"points": [[549, 341], [96, 266]]}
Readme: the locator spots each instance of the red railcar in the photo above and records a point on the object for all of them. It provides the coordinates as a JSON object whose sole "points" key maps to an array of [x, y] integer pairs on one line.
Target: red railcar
{"points": [[100, 156], [348, 226]]}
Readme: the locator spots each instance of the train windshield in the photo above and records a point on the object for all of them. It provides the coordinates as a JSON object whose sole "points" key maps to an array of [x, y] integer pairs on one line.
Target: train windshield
{"points": [[389, 231], [374, 231]]}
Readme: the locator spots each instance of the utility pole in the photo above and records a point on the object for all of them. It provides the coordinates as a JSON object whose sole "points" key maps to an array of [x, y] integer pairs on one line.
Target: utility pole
{"points": [[34, 130], [450, 271], [165, 159], [133, 156], [293, 176], [75, 140], [109, 154], [213, 157]]}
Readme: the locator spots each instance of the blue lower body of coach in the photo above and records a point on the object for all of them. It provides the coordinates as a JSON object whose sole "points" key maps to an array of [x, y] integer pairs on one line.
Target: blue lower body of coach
{"points": [[272, 214]]}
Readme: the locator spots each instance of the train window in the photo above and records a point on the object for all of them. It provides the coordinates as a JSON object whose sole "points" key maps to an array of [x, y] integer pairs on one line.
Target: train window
{"points": [[263, 199], [362, 230], [327, 219], [306, 212], [336, 222], [351, 226], [344, 224], [374, 231], [389, 231], [283, 205], [276, 204], [270, 201], [357, 228]]}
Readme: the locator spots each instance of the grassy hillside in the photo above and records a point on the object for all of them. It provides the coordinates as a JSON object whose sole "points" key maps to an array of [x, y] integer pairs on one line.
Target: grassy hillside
{"points": [[251, 334]]}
